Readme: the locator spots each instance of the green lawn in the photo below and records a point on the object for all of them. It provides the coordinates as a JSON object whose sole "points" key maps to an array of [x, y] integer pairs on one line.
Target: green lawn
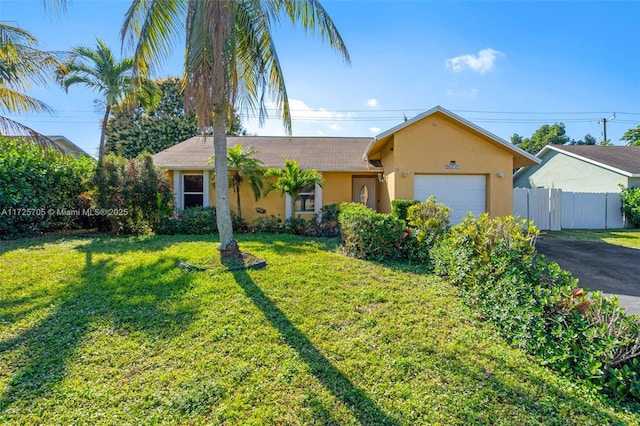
{"points": [[622, 237], [110, 331]]}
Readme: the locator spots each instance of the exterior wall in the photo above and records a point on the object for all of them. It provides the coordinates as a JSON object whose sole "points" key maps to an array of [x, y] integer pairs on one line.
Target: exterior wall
{"points": [[558, 170], [387, 190], [170, 178], [273, 203], [337, 188], [429, 144]]}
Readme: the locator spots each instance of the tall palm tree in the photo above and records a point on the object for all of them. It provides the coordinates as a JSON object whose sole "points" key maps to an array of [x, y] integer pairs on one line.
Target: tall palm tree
{"points": [[99, 70], [230, 62], [292, 179], [22, 66], [242, 164]]}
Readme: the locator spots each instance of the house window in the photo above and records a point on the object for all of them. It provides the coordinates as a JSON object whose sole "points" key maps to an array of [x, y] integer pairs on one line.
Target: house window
{"points": [[193, 190], [306, 201]]}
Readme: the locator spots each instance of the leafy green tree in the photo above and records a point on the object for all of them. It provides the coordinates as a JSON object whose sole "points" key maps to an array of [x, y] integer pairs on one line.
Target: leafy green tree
{"points": [[242, 164], [632, 137], [291, 180], [153, 125], [588, 140], [98, 70], [230, 61], [23, 66], [546, 135]]}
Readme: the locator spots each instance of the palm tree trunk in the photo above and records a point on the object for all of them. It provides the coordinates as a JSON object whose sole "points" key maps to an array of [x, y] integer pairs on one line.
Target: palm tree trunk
{"points": [[103, 133], [228, 245], [222, 19]]}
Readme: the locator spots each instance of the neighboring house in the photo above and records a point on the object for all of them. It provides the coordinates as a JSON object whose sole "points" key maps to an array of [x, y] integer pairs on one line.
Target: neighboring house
{"points": [[583, 168], [68, 147], [436, 153], [63, 144]]}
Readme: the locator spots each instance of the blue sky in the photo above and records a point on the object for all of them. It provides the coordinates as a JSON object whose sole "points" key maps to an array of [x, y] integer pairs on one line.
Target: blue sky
{"points": [[508, 66]]}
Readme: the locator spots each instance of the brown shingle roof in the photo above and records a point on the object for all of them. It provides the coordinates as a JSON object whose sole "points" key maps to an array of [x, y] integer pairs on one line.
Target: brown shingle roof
{"points": [[320, 153], [622, 158]]}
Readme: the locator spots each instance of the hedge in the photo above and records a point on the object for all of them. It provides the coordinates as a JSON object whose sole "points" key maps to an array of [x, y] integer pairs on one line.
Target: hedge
{"points": [[40, 189]]}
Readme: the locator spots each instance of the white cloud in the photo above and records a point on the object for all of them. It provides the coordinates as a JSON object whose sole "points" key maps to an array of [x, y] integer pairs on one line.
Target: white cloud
{"points": [[302, 112], [375, 130], [373, 103], [320, 132], [334, 127], [481, 63]]}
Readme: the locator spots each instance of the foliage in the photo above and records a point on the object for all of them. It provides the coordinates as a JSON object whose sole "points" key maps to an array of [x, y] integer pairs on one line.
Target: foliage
{"points": [[154, 127], [428, 221], [301, 226], [291, 180], [370, 235], [98, 70], [329, 225], [537, 306], [196, 221], [588, 140], [242, 164], [632, 137], [271, 224], [22, 67], [134, 194], [110, 331], [40, 189], [631, 204], [545, 135], [400, 208]]}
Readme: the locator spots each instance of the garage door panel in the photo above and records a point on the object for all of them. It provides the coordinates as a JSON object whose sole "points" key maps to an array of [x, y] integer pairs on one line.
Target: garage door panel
{"points": [[461, 193]]}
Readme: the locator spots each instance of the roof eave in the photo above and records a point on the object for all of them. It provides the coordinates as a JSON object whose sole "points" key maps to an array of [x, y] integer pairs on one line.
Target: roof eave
{"points": [[456, 117]]}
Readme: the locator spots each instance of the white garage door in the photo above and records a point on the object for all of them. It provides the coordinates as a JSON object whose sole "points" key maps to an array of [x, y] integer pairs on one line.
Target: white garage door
{"points": [[461, 193]]}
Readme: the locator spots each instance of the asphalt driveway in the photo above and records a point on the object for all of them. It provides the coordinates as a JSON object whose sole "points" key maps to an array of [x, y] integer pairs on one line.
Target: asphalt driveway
{"points": [[598, 265]]}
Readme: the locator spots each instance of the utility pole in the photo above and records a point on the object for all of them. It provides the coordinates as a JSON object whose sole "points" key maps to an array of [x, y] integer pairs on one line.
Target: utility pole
{"points": [[604, 125]]}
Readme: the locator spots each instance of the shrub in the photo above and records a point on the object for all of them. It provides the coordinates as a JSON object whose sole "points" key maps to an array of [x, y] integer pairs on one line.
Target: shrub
{"points": [[370, 235], [472, 245], [329, 225], [197, 221], [40, 189], [400, 208], [538, 307], [428, 222], [631, 204], [272, 224], [133, 192], [301, 226]]}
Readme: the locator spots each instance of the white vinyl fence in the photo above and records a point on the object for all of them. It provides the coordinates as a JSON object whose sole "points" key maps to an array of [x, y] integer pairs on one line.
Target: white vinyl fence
{"points": [[552, 209]]}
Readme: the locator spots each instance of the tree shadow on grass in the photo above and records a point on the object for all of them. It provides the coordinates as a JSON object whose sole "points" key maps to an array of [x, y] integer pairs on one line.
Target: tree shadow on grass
{"points": [[130, 299], [546, 410], [362, 407]]}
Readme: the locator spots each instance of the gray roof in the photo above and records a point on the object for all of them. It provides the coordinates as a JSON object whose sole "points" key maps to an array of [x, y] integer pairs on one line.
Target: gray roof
{"points": [[621, 159], [321, 153]]}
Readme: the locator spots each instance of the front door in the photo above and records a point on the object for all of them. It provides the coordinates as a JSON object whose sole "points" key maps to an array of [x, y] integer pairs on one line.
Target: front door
{"points": [[364, 190]]}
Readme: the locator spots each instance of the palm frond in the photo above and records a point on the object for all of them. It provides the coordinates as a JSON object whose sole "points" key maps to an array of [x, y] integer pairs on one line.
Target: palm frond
{"points": [[12, 128], [314, 19], [18, 102], [151, 28]]}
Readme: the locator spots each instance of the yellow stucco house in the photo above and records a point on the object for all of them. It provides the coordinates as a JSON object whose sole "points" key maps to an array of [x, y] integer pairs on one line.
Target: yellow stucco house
{"points": [[435, 153]]}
